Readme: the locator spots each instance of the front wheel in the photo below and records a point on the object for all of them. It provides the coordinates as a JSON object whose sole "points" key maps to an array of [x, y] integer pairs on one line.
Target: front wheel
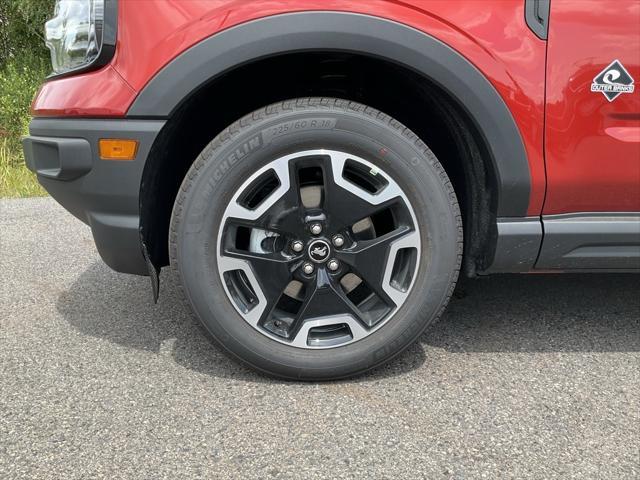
{"points": [[316, 238]]}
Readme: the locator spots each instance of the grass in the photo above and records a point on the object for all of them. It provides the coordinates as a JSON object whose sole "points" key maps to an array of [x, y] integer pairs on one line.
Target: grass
{"points": [[16, 180], [24, 63], [20, 77]]}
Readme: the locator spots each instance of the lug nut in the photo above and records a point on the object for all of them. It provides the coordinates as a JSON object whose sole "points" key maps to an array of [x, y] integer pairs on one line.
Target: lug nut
{"points": [[308, 268], [297, 246], [316, 228], [338, 241], [333, 265]]}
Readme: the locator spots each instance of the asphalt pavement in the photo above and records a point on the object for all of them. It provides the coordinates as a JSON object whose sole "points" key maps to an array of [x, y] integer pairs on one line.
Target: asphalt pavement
{"points": [[524, 377]]}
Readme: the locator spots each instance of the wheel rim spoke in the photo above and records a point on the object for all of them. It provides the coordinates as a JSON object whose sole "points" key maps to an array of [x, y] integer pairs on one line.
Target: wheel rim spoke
{"points": [[325, 299], [280, 211], [267, 276], [372, 260], [348, 202]]}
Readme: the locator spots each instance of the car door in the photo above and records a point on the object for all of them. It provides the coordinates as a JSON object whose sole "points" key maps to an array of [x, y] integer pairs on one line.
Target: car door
{"points": [[592, 135]]}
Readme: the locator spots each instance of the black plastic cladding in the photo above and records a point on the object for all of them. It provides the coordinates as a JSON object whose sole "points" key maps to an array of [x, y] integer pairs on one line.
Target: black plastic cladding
{"points": [[361, 34], [107, 47], [105, 197]]}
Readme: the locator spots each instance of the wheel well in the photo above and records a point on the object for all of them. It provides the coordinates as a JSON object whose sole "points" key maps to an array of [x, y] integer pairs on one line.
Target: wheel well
{"points": [[418, 103]]}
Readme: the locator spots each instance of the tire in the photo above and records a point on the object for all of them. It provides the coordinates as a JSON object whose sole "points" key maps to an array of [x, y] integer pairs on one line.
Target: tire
{"points": [[208, 243]]}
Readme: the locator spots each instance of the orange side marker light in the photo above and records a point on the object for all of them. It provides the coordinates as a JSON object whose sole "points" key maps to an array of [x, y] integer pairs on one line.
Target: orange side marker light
{"points": [[117, 149]]}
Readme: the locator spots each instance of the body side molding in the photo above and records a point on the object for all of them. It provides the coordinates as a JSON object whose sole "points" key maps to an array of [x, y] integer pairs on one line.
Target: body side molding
{"points": [[360, 34], [591, 241]]}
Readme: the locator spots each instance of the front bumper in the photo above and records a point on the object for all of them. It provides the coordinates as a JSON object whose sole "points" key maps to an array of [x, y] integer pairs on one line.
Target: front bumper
{"points": [[102, 193]]}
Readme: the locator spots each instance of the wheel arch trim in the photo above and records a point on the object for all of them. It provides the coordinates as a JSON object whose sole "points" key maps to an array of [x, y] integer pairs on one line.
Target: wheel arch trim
{"points": [[359, 34]]}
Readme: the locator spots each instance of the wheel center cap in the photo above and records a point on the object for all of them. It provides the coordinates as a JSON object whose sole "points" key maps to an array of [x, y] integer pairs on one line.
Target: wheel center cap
{"points": [[319, 251]]}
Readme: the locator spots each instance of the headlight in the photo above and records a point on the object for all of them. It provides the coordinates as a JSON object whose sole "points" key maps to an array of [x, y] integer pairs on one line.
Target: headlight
{"points": [[74, 34]]}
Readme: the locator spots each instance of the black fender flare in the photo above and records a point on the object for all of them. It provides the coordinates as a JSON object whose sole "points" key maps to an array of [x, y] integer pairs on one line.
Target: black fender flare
{"points": [[354, 33]]}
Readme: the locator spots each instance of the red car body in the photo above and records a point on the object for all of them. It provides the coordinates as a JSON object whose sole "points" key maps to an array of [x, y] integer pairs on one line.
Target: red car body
{"points": [[592, 147], [582, 151]]}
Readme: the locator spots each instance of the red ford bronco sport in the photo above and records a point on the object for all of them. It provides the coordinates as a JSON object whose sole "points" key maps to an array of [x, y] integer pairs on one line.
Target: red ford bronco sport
{"points": [[317, 172]]}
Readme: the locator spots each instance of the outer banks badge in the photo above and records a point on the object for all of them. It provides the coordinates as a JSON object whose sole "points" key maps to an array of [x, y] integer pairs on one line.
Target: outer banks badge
{"points": [[612, 81]]}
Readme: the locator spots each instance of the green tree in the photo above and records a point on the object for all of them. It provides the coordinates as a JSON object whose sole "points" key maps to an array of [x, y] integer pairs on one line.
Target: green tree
{"points": [[24, 62], [22, 27]]}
